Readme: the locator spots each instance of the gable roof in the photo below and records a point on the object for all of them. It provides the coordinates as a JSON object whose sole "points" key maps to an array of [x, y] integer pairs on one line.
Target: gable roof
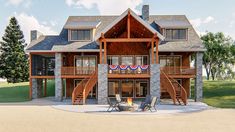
{"points": [[59, 42], [134, 15]]}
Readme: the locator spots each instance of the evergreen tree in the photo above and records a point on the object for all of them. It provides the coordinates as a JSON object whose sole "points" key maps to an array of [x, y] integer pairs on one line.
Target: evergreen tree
{"points": [[13, 60]]}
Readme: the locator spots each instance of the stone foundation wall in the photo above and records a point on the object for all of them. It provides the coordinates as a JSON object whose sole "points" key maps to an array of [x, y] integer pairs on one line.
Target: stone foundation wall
{"points": [[58, 79], [198, 80], [37, 88], [102, 83], [155, 81]]}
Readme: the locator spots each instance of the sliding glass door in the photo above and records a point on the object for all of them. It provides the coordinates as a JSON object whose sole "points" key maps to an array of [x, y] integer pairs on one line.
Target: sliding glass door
{"points": [[85, 64]]}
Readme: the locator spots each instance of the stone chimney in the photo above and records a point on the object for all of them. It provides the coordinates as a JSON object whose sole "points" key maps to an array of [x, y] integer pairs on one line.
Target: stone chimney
{"points": [[34, 35], [145, 12]]}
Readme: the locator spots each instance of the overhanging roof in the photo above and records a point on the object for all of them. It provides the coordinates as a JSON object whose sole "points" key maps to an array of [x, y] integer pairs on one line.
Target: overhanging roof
{"points": [[151, 29]]}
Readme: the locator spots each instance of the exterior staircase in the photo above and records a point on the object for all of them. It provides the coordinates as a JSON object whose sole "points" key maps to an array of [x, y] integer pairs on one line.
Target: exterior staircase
{"points": [[82, 90], [173, 88]]}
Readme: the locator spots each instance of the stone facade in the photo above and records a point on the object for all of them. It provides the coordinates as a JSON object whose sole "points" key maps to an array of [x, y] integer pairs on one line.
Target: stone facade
{"points": [[155, 81], [102, 83], [37, 88], [58, 79], [198, 80]]}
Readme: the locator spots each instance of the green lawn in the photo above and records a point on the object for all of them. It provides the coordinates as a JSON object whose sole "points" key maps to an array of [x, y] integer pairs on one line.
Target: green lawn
{"points": [[216, 93], [219, 93], [19, 92]]}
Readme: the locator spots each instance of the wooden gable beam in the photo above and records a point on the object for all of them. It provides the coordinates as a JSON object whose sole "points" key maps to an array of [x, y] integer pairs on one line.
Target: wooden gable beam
{"points": [[128, 25]]}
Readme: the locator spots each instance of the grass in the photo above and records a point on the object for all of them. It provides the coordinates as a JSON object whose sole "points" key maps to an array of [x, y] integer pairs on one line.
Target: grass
{"points": [[219, 93], [216, 93], [19, 92]]}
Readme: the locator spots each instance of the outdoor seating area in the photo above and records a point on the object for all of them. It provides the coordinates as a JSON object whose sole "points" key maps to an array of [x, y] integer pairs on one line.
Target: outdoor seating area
{"points": [[129, 105]]}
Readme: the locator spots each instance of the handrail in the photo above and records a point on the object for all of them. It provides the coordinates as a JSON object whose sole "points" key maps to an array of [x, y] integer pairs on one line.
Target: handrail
{"points": [[89, 85], [71, 70], [180, 70], [169, 86], [183, 93], [79, 89]]}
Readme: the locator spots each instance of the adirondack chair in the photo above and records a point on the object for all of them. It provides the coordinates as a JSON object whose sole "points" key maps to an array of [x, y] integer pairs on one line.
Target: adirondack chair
{"points": [[151, 105]]}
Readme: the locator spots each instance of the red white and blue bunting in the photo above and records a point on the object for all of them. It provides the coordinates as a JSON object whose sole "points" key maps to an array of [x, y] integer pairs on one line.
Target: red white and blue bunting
{"points": [[123, 67], [113, 67], [134, 67], [144, 67]]}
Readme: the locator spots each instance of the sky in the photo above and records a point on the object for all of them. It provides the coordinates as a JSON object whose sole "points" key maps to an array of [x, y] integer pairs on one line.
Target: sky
{"points": [[49, 16]]}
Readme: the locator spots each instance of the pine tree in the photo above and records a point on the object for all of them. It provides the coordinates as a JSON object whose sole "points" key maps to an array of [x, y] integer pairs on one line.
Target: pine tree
{"points": [[13, 60]]}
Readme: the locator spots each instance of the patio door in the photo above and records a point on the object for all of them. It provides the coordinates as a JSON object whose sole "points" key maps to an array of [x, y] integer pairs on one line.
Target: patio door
{"points": [[85, 64]]}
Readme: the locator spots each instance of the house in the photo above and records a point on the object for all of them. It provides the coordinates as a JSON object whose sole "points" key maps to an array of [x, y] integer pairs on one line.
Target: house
{"points": [[132, 55]]}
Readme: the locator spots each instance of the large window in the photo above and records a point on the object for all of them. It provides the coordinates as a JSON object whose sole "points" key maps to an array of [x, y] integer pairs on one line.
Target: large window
{"points": [[113, 88], [141, 60], [171, 62], [127, 60], [84, 34], [141, 88], [113, 60], [85, 64], [176, 34], [127, 88]]}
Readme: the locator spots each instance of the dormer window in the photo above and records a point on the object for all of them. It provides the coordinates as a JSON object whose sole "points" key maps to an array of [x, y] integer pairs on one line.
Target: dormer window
{"points": [[176, 34], [80, 35]]}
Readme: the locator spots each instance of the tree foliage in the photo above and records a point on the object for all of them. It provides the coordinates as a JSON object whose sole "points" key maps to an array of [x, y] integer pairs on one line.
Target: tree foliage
{"points": [[13, 60], [219, 57]]}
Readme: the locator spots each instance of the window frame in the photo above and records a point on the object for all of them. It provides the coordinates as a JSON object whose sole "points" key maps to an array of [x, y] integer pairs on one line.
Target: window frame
{"points": [[172, 39], [70, 34]]}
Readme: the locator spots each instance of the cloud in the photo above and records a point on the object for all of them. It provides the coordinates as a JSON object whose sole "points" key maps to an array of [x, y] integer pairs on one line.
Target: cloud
{"points": [[199, 21], [106, 7], [25, 3], [28, 23]]}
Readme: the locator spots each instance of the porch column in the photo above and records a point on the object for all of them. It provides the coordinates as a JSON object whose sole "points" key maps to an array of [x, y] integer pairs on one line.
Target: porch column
{"points": [[37, 88], [155, 81], [102, 83], [58, 80], [198, 79]]}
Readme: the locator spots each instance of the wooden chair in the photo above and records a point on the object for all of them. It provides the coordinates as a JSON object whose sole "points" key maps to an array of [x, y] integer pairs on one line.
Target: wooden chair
{"points": [[112, 106], [151, 105]]}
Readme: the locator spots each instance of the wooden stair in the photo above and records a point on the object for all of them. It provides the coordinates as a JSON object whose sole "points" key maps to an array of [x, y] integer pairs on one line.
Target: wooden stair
{"points": [[82, 90], [175, 89]]}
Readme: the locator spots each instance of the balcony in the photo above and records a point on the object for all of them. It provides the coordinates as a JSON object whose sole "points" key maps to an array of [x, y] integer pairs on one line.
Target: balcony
{"points": [[70, 72], [128, 71], [182, 71]]}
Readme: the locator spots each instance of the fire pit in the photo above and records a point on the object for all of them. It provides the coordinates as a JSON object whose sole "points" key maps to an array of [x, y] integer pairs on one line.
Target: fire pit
{"points": [[128, 106]]}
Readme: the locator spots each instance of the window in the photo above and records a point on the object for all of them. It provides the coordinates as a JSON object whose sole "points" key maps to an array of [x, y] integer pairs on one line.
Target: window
{"points": [[141, 60], [113, 60], [81, 34], [127, 60], [127, 88], [176, 34], [113, 87], [141, 88]]}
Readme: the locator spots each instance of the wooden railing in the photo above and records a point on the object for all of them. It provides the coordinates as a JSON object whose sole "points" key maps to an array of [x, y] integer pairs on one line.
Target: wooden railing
{"points": [[77, 70], [166, 82], [89, 85], [79, 89], [129, 70], [182, 70]]}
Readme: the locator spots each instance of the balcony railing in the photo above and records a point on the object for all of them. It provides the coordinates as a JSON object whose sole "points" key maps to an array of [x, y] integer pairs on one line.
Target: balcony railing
{"points": [[128, 69], [182, 70], [77, 70]]}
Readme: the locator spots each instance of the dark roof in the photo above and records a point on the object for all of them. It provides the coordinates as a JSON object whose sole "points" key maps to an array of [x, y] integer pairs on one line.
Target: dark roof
{"points": [[60, 42]]}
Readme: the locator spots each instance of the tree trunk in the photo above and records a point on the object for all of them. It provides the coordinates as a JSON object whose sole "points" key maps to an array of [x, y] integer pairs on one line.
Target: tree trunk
{"points": [[207, 72]]}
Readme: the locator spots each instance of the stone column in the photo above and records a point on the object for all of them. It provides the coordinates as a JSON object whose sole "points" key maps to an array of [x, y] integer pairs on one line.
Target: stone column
{"points": [[198, 80], [102, 83], [58, 80], [155, 81], [37, 88]]}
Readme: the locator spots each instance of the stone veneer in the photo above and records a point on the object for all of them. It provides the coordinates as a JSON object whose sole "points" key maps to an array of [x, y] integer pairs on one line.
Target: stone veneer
{"points": [[36, 88], [198, 80], [155, 81], [58, 80], [102, 83]]}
